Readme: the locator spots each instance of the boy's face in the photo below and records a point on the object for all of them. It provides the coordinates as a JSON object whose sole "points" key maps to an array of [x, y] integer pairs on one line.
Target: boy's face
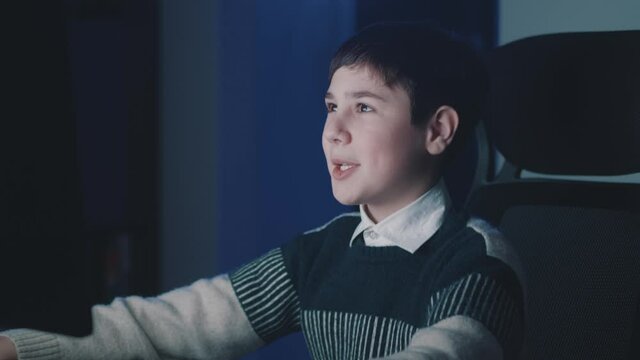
{"points": [[374, 154]]}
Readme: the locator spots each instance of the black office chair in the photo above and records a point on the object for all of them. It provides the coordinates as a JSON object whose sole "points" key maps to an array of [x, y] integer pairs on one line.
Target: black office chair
{"points": [[569, 104]]}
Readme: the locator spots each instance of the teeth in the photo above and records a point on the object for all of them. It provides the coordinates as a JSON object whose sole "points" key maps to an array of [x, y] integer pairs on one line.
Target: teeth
{"points": [[344, 167]]}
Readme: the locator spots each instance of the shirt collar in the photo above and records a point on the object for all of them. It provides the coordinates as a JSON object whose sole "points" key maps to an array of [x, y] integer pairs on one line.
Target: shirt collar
{"points": [[409, 227]]}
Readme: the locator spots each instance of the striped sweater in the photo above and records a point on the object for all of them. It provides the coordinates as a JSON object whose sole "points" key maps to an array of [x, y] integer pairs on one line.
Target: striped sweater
{"points": [[456, 297], [362, 302]]}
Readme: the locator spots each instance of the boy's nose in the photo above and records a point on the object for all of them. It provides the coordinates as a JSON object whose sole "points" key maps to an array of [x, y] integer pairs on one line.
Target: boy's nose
{"points": [[336, 135], [339, 138]]}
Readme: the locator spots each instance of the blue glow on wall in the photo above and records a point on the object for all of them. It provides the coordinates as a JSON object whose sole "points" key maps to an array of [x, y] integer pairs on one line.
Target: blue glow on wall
{"points": [[271, 177]]}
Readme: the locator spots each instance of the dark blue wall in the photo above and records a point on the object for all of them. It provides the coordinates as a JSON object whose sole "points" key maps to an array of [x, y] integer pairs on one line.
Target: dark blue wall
{"points": [[271, 177]]}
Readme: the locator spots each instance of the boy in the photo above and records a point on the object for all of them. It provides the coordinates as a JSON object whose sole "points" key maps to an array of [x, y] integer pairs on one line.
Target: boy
{"points": [[405, 278]]}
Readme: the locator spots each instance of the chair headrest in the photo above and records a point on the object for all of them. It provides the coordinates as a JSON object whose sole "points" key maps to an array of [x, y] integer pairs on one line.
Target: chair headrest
{"points": [[568, 103]]}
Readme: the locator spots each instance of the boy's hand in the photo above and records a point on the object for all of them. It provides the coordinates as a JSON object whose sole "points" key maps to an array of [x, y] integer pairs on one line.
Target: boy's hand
{"points": [[7, 349]]}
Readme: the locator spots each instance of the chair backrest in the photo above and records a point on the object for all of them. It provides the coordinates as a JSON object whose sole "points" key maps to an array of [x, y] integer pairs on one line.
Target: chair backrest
{"points": [[569, 104]]}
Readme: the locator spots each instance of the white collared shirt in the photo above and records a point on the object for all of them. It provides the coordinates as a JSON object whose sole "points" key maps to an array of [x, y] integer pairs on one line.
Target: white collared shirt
{"points": [[409, 227]]}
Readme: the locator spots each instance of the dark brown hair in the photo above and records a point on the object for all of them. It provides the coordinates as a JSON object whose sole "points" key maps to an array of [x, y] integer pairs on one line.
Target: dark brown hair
{"points": [[432, 66]]}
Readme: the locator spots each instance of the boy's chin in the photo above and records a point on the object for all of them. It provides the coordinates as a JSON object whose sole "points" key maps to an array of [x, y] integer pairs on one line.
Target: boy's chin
{"points": [[348, 203], [346, 200]]}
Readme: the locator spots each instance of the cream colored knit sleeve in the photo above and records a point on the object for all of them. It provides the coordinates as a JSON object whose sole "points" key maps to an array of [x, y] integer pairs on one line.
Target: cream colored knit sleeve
{"points": [[454, 338], [201, 321]]}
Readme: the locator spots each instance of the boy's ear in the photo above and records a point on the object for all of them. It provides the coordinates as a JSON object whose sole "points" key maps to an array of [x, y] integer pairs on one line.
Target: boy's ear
{"points": [[441, 129]]}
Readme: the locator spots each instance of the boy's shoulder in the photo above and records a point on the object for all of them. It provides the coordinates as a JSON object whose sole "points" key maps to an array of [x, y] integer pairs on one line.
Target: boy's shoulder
{"points": [[478, 235], [477, 246], [498, 246]]}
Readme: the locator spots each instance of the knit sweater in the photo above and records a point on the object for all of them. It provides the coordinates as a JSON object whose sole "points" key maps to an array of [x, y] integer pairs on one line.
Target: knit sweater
{"points": [[351, 302], [361, 302]]}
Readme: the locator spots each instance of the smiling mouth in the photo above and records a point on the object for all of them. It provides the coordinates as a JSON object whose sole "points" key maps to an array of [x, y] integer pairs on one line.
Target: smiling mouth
{"points": [[342, 171]]}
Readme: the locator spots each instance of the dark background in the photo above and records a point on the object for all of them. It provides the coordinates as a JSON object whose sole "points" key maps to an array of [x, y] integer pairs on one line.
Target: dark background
{"points": [[150, 143]]}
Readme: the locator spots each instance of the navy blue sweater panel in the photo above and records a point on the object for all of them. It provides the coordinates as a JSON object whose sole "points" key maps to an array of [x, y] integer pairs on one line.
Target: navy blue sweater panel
{"points": [[390, 282]]}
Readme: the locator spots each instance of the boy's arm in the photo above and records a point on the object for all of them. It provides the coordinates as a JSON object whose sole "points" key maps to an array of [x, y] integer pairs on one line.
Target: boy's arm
{"points": [[204, 320], [479, 316], [476, 317], [457, 337]]}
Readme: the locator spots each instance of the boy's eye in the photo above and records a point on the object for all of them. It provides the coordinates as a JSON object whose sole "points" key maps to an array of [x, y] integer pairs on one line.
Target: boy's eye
{"points": [[331, 107], [364, 108]]}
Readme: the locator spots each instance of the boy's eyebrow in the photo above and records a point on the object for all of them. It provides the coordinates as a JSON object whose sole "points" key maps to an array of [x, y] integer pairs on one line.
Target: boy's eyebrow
{"points": [[357, 95], [365, 93]]}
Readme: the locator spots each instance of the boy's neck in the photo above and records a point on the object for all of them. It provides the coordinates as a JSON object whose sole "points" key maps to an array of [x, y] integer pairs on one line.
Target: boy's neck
{"points": [[380, 211]]}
